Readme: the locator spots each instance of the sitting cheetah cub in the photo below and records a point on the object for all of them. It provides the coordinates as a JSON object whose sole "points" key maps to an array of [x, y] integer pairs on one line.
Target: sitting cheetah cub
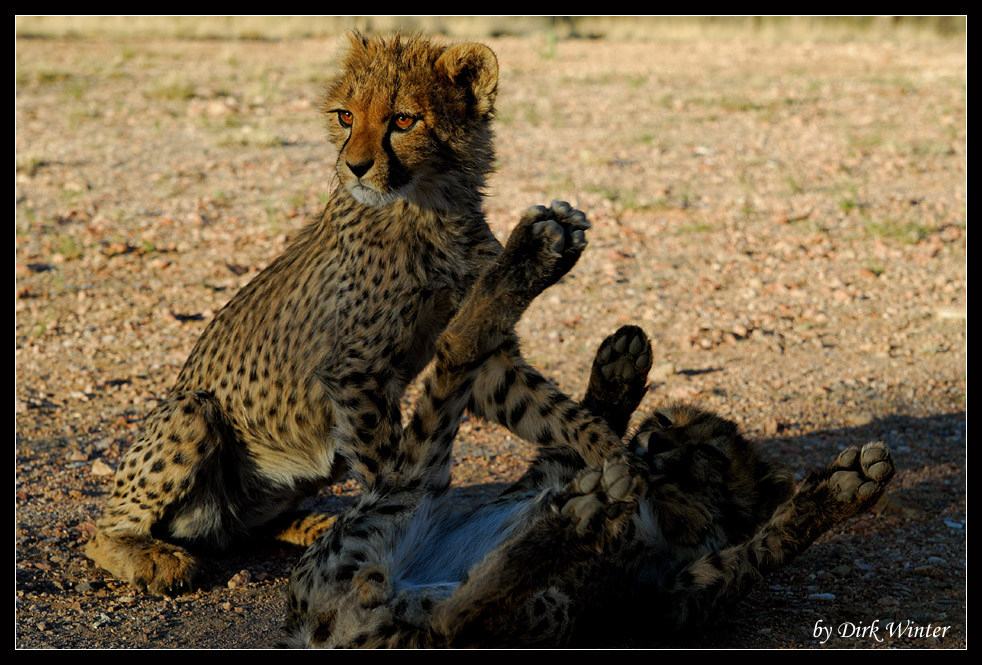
{"points": [[298, 379], [667, 540]]}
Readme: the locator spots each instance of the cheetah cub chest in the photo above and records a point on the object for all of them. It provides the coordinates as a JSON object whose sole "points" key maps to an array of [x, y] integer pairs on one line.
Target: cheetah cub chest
{"points": [[298, 378]]}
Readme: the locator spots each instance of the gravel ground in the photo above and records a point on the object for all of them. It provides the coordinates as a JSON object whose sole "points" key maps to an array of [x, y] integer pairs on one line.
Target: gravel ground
{"points": [[786, 221]]}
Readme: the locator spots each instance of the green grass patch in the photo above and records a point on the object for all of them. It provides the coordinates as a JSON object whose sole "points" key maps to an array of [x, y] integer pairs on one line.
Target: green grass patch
{"points": [[173, 85], [70, 247], [697, 227], [249, 136], [905, 231]]}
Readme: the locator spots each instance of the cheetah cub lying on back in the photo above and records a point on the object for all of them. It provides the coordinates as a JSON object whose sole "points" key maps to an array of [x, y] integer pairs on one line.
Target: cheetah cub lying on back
{"points": [[298, 379], [668, 534]]}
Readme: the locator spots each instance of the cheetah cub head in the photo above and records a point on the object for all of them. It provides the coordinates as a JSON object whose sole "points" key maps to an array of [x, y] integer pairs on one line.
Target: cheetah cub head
{"points": [[412, 120]]}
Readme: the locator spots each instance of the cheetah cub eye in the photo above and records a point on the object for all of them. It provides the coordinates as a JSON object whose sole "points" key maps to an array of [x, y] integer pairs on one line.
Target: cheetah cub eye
{"points": [[404, 122]]}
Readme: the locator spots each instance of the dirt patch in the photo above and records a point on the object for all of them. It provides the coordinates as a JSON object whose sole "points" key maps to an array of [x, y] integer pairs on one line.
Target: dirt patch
{"points": [[787, 222]]}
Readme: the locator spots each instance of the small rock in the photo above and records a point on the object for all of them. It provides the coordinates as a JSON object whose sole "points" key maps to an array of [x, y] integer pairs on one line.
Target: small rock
{"points": [[930, 571], [952, 313], [103, 443], [241, 578], [100, 468], [859, 418], [662, 372], [821, 596]]}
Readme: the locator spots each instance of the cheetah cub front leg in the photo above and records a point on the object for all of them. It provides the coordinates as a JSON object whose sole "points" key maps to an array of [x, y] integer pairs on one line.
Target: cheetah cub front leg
{"points": [[542, 248]]}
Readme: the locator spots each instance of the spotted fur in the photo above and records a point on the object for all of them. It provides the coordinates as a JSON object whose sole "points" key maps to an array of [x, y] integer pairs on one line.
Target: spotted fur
{"points": [[664, 537], [298, 379]]}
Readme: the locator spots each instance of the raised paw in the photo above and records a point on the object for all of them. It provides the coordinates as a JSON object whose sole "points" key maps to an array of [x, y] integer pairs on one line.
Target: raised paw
{"points": [[604, 494], [846, 488], [543, 247], [619, 377], [860, 476]]}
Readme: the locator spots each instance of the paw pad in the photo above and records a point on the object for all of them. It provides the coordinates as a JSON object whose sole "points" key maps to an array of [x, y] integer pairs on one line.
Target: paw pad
{"points": [[584, 509], [859, 475], [618, 481], [552, 233], [588, 481]]}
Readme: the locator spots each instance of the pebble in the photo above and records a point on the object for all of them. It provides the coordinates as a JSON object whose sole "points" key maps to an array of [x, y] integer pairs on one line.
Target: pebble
{"points": [[859, 418], [100, 468], [241, 578], [930, 571], [662, 372]]}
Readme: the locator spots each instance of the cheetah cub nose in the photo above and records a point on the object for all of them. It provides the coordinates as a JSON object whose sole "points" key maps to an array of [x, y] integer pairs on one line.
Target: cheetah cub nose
{"points": [[360, 168]]}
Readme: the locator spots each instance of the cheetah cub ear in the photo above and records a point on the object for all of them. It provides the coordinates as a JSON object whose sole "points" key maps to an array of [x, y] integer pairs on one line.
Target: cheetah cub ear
{"points": [[473, 65]]}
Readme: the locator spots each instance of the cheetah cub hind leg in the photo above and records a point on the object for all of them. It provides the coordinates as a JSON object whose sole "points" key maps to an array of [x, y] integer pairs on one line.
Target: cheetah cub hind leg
{"points": [[852, 484], [618, 380], [507, 596], [713, 583], [158, 502]]}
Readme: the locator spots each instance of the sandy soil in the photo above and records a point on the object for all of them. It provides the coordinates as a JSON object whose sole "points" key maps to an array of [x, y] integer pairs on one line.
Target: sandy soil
{"points": [[787, 222]]}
